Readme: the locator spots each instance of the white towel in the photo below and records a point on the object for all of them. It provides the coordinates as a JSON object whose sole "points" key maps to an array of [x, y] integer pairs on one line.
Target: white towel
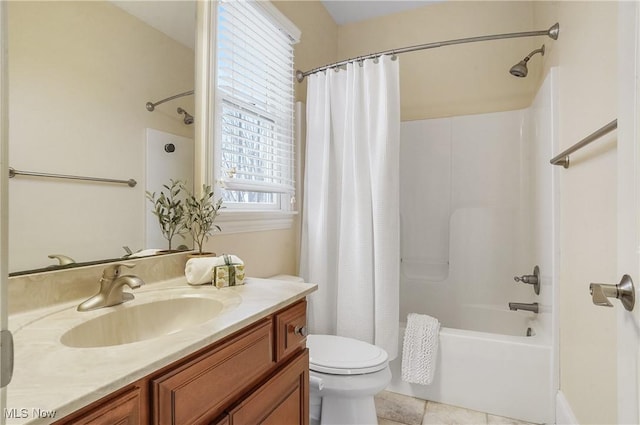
{"points": [[200, 270], [420, 349]]}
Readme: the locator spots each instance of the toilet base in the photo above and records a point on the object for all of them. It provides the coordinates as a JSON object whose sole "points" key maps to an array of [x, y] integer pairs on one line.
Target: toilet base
{"points": [[346, 400], [348, 411]]}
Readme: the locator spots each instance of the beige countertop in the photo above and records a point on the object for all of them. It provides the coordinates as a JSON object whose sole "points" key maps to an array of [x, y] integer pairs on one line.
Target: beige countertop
{"points": [[51, 378]]}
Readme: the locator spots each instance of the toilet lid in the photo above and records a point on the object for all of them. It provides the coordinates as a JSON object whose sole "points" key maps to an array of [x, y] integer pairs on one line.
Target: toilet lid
{"points": [[338, 355]]}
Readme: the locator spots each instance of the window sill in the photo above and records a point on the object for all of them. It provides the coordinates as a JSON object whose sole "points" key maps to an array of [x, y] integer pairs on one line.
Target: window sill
{"points": [[254, 221]]}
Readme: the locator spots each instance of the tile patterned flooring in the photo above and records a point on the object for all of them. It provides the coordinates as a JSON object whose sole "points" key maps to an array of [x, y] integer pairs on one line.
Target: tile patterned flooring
{"points": [[398, 409]]}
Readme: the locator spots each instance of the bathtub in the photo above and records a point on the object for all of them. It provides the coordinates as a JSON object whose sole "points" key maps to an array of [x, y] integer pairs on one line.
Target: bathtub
{"points": [[504, 375]]}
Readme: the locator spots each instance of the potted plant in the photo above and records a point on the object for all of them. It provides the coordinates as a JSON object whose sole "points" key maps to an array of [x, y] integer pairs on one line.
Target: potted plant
{"points": [[170, 210], [201, 212]]}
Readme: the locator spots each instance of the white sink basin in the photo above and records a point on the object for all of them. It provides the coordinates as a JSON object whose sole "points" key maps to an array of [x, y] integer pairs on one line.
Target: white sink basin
{"points": [[138, 322]]}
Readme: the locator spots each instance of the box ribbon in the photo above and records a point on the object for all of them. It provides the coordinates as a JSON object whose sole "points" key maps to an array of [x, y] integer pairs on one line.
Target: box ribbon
{"points": [[232, 270]]}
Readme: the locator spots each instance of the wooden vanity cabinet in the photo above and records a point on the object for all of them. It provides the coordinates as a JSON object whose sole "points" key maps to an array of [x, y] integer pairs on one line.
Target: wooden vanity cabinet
{"points": [[258, 375]]}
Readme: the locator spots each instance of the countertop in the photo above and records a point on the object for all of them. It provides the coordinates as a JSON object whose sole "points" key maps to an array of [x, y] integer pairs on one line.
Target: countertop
{"points": [[51, 378]]}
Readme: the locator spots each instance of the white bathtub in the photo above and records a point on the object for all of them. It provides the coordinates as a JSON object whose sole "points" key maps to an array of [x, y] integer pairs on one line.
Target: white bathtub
{"points": [[503, 375]]}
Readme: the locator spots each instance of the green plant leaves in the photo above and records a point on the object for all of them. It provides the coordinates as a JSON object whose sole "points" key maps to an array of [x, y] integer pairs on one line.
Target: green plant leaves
{"points": [[181, 211], [201, 214], [170, 210]]}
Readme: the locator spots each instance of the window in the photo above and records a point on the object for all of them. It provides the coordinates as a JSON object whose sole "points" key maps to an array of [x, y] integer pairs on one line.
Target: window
{"points": [[254, 165]]}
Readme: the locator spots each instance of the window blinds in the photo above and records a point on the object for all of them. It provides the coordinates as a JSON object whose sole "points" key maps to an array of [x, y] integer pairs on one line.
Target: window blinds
{"points": [[255, 100]]}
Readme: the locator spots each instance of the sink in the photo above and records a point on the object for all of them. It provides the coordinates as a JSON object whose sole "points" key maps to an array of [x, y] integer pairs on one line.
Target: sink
{"points": [[133, 323]]}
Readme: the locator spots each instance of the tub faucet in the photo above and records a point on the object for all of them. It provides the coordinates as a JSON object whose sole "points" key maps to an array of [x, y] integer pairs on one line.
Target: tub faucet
{"points": [[533, 307], [111, 285]]}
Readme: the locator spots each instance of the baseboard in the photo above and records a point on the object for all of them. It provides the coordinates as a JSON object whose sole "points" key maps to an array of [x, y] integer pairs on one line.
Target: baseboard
{"points": [[564, 414]]}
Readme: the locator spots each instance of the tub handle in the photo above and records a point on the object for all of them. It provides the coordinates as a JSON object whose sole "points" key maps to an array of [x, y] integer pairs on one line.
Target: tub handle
{"points": [[531, 279], [624, 291]]}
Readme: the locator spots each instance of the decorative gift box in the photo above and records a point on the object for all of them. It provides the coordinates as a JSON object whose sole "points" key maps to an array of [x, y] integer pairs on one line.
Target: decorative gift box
{"points": [[231, 274]]}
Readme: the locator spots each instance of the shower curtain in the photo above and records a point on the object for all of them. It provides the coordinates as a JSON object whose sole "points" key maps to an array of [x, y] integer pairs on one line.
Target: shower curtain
{"points": [[350, 224]]}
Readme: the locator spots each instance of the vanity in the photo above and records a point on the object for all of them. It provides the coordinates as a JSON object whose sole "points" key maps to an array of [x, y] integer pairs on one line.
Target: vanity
{"points": [[192, 355]]}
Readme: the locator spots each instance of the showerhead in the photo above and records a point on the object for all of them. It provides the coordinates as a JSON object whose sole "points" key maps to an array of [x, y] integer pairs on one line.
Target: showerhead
{"points": [[520, 69], [188, 118]]}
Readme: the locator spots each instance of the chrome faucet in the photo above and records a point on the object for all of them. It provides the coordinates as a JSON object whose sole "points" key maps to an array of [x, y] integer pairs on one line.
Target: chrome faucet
{"points": [[111, 285], [533, 307]]}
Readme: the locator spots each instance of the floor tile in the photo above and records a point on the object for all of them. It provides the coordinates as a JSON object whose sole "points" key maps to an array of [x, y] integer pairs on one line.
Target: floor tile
{"points": [[383, 421], [442, 414], [499, 420], [399, 408]]}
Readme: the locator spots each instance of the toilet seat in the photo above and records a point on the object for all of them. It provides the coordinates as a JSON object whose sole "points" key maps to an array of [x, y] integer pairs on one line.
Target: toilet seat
{"points": [[338, 355]]}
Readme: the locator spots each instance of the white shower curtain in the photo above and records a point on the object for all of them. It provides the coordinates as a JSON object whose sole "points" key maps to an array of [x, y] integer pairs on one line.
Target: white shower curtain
{"points": [[350, 225]]}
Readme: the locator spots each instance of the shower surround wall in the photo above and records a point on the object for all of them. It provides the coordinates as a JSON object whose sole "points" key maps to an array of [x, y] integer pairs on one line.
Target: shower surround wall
{"points": [[463, 231], [477, 209]]}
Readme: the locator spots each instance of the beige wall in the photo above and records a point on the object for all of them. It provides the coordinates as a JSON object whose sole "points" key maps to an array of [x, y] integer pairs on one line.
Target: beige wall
{"points": [[455, 80], [587, 62], [80, 74]]}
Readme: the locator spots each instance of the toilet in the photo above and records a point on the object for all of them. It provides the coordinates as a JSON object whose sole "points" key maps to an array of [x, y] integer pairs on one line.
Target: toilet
{"points": [[345, 374]]}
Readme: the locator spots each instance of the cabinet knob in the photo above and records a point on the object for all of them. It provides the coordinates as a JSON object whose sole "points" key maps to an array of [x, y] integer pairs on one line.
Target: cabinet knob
{"points": [[300, 330]]}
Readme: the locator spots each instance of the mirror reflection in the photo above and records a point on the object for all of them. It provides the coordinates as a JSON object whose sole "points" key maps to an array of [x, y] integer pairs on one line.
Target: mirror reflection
{"points": [[80, 74]]}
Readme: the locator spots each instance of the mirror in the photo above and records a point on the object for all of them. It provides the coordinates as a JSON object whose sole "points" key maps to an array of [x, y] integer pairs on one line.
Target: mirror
{"points": [[80, 74]]}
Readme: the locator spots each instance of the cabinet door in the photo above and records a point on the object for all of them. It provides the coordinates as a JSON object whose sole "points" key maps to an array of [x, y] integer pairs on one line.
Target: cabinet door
{"points": [[282, 400], [124, 409], [198, 391]]}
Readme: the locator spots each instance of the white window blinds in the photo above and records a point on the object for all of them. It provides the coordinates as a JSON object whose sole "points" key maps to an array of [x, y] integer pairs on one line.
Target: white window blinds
{"points": [[255, 105]]}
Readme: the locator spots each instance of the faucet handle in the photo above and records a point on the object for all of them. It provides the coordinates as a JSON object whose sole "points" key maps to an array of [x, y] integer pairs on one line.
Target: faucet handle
{"points": [[531, 279], [112, 271]]}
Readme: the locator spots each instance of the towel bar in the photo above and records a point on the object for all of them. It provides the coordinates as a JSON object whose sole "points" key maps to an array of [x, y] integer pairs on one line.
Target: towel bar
{"points": [[563, 158], [13, 172]]}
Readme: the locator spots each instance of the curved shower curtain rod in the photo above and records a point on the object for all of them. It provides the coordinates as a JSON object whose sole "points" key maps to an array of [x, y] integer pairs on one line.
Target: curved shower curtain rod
{"points": [[151, 106], [552, 32]]}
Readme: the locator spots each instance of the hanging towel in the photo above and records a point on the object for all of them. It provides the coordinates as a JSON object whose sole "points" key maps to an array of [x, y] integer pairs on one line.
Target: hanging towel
{"points": [[200, 270], [420, 349]]}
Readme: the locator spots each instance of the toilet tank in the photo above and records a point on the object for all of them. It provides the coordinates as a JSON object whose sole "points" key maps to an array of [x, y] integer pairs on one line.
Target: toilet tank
{"points": [[288, 277]]}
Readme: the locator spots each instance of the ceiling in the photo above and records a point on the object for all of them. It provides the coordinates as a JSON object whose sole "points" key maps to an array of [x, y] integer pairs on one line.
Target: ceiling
{"points": [[177, 19], [348, 11]]}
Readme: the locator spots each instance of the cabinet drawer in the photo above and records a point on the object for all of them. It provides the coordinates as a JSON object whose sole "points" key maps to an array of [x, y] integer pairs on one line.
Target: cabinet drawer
{"points": [[198, 391], [291, 330], [282, 400], [123, 409]]}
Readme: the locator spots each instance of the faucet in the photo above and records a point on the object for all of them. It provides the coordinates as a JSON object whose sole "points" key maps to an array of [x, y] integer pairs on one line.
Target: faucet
{"points": [[111, 285], [63, 260], [533, 307]]}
